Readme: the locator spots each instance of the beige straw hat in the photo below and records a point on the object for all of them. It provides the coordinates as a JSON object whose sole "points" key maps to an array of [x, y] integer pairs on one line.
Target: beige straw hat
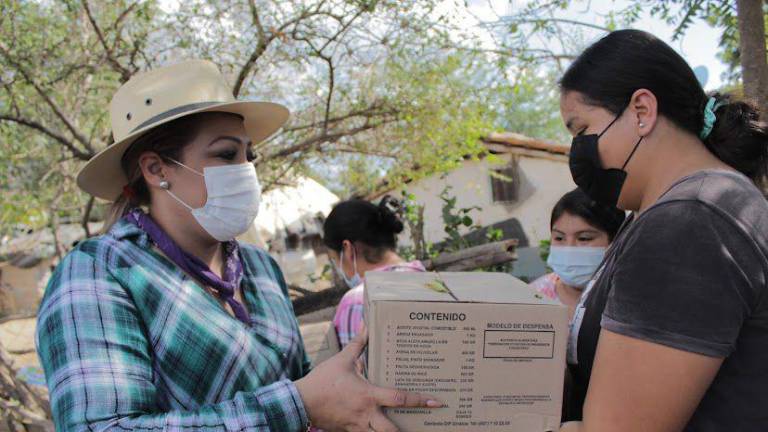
{"points": [[159, 96]]}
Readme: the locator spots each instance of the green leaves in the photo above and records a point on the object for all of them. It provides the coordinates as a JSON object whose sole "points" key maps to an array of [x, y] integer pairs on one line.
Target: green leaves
{"points": [[454, 219], [720, 14], [378, 89], [466, 221], [437, 285], [544, 246]]}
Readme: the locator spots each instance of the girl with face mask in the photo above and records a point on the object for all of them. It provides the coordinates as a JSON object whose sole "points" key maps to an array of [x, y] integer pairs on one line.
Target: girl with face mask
{"points": [[166, 321], [581, 230], [673, 334], [362, 237]]}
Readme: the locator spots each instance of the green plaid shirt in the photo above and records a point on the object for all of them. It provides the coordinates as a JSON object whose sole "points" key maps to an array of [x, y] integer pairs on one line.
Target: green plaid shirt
{"points": [[129, 342]]}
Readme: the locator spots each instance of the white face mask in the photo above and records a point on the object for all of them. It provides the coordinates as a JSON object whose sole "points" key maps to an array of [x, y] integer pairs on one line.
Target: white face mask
{"points": [[234, 196], [353, 281]]}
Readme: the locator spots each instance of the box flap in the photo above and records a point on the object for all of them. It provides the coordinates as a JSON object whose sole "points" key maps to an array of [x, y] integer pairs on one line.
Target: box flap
{"points": [[408, 286], [491, 288], [479, 287]]}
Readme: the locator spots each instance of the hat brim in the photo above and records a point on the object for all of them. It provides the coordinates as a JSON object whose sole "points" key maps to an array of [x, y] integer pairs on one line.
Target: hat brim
{"points": [[103, 177]]}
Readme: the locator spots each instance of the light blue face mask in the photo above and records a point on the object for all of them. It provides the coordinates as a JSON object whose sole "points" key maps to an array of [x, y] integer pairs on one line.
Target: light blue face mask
{"points": [[575, 265], [353, 281]]}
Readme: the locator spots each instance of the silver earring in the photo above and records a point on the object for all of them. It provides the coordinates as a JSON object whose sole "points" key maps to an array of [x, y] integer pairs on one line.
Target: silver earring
{"points": [[164, 184], [642, 125]]}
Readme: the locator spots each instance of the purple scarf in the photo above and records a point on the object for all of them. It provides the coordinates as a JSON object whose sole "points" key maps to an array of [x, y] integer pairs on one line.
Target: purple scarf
{"points": [[233, 270]]}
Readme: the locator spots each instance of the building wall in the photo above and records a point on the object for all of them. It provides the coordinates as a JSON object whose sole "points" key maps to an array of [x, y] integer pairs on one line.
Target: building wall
{"points": [[544, 179]]}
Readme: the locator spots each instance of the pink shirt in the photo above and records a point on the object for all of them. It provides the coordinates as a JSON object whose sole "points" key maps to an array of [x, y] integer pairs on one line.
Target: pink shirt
{"points": [[545, 286], [349, 314]]}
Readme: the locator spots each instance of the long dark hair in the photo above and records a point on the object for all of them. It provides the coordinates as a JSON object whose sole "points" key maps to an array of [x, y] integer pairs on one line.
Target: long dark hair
{"points": [[372, 227], [577, 203], [613, 68]]}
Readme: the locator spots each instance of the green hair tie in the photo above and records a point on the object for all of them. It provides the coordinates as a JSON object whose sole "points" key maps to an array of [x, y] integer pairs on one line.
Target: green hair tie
{"points": [[710, 117]]}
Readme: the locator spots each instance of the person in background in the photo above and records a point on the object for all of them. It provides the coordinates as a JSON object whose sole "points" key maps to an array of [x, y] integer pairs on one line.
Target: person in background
{"points": [[361, 237], [674, 331], [581, 230]]}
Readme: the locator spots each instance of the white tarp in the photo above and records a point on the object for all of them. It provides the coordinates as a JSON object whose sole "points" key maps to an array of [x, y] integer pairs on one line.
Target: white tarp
{"points": [[291, 209]]}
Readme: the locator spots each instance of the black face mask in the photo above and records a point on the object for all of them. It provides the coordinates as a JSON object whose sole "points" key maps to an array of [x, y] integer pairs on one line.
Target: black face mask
{"points": [[602, 185]]}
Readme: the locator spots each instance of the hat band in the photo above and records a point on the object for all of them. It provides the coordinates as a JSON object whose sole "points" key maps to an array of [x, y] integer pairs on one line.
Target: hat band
{"points": [[173, 112]]}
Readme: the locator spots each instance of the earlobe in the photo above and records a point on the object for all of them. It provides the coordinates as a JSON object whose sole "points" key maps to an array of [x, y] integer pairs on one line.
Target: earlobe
{"points": [[644, 104], [642, 129]]}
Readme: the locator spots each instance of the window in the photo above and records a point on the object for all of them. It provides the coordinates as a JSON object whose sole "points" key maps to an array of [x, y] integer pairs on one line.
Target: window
{"points": [[505, 183]]}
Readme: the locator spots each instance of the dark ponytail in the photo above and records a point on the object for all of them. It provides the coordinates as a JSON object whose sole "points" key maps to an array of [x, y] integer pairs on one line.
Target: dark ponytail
{"points": [[739, 138], [613, 68], [374, 227]]}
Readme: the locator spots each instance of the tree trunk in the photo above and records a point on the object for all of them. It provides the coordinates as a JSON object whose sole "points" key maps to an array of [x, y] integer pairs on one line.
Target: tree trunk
{"points": [[475, 257], [754, 65]]}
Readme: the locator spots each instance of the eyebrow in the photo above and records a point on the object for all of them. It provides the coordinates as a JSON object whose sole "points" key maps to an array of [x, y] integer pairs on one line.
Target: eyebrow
{"points": [[229, 138], [588, 231]]}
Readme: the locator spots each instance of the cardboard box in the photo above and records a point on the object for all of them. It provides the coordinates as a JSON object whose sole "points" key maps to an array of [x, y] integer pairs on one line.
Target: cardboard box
{"points": [[485, 344]]}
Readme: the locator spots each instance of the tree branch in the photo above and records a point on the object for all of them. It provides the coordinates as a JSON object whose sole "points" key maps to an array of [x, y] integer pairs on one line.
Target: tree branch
{"points": [[507, 20], [124, 13], [261, 46], [59, 113], [376, 109], [331, 82], [343, 29], [275, 179], [331, 69], [541, 53], [44, 130], [323, 138], [367, 152], [257, 20], [125, 74], [263, 42]]}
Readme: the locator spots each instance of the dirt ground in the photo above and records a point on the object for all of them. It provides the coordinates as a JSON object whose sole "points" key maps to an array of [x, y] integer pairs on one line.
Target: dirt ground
{"points": [[18, 337]]}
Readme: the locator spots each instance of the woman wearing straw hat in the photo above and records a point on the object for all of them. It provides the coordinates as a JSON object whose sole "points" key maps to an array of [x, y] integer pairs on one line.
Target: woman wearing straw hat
{"points": [[165, 321]]}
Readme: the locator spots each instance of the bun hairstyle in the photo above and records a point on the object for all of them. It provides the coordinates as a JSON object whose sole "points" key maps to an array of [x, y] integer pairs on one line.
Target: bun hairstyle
{"points": [[390, 213], [609, 71], [373, 228], [740, 138]]}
